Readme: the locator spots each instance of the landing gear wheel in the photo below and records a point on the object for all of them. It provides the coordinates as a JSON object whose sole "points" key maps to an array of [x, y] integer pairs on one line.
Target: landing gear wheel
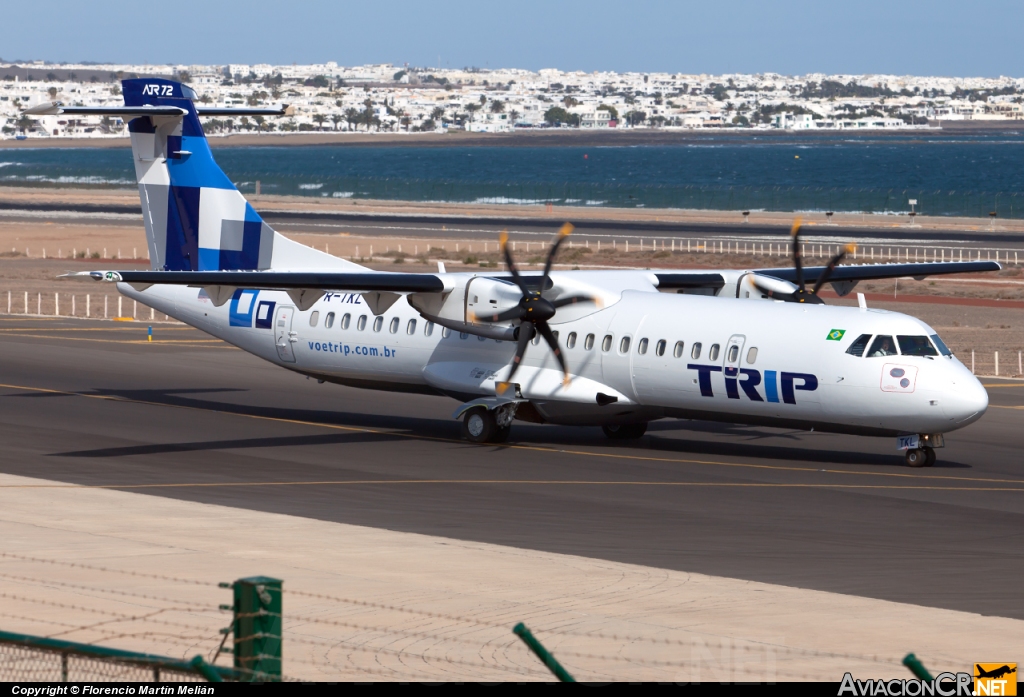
{"points": [[479, 426], [916, 457], [929, 454], [625, 431]]}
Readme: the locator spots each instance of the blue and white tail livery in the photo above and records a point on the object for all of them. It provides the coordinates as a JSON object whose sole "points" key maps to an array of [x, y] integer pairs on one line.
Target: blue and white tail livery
{"points": [[196, 219]]}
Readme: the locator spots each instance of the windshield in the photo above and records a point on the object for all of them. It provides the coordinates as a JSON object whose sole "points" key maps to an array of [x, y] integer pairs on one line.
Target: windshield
{"points": [[882, 346], [943, 349], [916, 346]]}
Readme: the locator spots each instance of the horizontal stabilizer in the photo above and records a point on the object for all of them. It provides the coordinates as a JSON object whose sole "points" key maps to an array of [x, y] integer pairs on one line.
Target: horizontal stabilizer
{"points": [[58, 108]]}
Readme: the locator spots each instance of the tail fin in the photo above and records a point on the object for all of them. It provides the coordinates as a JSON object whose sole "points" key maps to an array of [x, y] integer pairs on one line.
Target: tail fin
{"points": [[196, 220]]}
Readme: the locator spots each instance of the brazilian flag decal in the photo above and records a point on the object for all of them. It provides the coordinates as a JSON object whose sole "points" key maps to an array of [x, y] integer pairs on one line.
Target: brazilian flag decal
{"points": [[836, 335]]}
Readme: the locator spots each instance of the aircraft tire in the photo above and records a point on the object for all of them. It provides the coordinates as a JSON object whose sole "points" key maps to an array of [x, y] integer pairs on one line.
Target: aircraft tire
{"points": [[929, 454], [916, 457], [479, 426], [625, 431]]}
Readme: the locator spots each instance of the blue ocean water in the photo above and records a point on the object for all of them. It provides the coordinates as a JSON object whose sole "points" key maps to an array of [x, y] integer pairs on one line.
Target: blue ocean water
{"points": [[948, 175]]}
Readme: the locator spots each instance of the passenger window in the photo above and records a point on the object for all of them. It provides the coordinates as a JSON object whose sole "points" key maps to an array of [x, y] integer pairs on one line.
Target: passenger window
{"points": [[378, 323], [695, 351], [751, 355], [428, 328], [916, 346], [943, 349], [361, 323], [555, 334], [678, 350], [734, 354], [659, 348], [858, 346], [393, 327], [481, 338], [882, 346], [536, 339], [445, 332], [329, 320], [606, 343], [624, 345], [410, 328], [570, 341], [641, 348], [713, 353], [345, 320], [463, 335], [313, 318], [588, 343]]}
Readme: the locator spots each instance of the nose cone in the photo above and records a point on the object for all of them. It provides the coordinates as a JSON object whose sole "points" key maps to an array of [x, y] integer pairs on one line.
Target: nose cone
{"points": [[970, 400]]}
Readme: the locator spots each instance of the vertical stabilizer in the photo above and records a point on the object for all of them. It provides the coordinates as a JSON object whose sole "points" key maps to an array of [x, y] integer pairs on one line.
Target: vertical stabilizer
{"points": [[196, 220]]}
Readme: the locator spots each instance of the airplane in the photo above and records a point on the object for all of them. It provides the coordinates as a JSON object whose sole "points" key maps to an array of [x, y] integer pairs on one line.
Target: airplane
{"points": [[995, 673], [621, 348]]}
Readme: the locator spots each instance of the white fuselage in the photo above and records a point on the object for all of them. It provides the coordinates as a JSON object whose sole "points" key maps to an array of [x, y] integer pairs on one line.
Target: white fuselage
{"points": [[767, 363]]}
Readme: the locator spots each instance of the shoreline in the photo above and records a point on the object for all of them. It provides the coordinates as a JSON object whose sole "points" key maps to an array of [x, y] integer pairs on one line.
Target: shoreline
{"points": [[547, 137]]}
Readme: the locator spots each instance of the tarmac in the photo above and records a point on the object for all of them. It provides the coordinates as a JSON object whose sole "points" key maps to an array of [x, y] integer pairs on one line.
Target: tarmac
{"points": [[186, 454]]}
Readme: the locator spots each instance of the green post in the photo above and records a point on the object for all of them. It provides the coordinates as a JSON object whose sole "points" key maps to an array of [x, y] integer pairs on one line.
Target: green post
{"points": [[257, 627], [917, 668], [542, 653], [205, 669]]}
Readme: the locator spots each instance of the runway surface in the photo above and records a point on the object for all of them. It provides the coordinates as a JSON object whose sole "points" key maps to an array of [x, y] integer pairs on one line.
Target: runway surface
{"points": [[188, 417]]}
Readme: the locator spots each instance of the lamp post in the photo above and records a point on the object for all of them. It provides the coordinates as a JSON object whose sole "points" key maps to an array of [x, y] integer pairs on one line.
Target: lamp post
{"points": [[913, 212]]}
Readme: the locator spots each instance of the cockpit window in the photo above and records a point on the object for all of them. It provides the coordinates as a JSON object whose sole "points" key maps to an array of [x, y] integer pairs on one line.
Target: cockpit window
{"points": [[916, 346], [943, 349], [858, 346], [882, 346]]}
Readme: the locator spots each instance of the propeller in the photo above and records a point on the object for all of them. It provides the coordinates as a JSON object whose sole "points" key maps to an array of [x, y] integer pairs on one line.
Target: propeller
{"points": [[533, 310], [800, 294]]}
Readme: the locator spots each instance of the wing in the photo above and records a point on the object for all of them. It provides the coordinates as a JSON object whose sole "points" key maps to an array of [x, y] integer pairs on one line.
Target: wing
{"points": [[872, 272]]}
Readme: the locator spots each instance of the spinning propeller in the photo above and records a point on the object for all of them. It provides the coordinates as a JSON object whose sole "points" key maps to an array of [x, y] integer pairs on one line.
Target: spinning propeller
{"points": [[533, 310], [800, 294]]}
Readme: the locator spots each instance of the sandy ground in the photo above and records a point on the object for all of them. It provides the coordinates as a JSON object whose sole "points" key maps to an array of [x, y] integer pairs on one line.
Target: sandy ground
{"points": [[363, 603]]}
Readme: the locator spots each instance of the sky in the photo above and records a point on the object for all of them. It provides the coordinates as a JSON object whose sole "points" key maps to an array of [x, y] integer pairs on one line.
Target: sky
{"points": [[792, 37]]}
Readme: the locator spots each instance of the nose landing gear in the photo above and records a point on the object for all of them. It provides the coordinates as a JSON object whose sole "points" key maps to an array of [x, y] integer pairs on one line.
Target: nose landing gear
{"points": [[920, 457]]}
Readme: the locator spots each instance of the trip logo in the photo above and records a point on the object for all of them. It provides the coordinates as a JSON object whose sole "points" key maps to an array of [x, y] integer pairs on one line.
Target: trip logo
{"points": [[774, 383]]}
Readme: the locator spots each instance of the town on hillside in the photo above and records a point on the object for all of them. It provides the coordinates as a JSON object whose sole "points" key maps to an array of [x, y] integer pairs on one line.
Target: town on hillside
{"points": [[403, 99]]}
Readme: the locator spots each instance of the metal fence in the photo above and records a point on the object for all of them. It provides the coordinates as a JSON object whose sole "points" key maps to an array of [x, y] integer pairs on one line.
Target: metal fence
{"points": [[26, 658]]}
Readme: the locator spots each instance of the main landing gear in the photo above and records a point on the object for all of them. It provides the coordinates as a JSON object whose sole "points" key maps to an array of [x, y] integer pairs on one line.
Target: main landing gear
{"points": [[921, 457], [625, 431], [483, 425]]}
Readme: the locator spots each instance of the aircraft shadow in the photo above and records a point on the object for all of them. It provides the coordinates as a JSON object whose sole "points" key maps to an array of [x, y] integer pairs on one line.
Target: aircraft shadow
{"points": [[522, 433], [239, 443]]}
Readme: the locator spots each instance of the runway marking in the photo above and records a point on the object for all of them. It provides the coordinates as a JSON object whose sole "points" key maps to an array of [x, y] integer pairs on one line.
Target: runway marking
{"points": [[1000, 406], [114, 328], [1001, 385], [532, 482], [514, 446], [189, 342]]}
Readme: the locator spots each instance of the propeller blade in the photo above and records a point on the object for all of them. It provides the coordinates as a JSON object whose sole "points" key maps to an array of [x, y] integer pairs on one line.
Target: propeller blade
{"points": [[549, 337], [516, 312], [526, 332], [562, 234], [573, 299], [797, 261], [848, 249], [513, 269]]}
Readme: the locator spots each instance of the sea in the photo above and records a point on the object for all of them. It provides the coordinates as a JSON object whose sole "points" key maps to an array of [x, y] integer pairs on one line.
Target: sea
{"points": [[953, 175]]}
